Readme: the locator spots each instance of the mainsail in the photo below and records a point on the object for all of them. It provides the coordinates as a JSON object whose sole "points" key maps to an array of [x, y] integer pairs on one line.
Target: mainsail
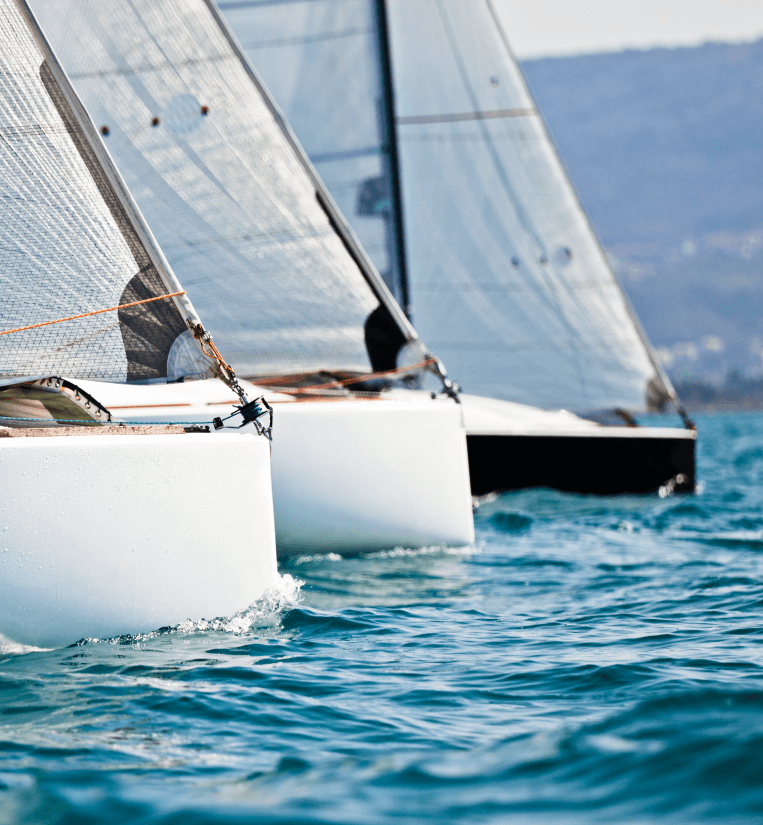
{"points": [[86, 291], [505, 277], [229, 194]]}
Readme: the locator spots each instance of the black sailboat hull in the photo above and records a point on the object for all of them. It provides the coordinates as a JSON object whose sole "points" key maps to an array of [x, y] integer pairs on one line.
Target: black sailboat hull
{"points": [[602, 464]]}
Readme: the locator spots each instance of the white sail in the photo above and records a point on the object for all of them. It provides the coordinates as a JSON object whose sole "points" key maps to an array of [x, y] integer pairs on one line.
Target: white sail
{"points": [[321, 62], [86, 292], [227, 192], [506, 280]]}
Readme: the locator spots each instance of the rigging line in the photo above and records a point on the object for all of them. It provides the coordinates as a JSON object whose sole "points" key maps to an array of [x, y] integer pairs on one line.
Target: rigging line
{"points": [[94, 312], [224, 370], [152, 67], [304, 39], [311, 393], [493, 114], [215, 354], [273, 381], [387, 373]]}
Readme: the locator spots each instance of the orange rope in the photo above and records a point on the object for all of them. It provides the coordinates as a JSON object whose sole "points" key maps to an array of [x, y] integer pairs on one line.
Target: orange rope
{"points": [[217, 355], [317, 388], [310, 393], [279, 379], [95, 312], [222, 364], [359, 378]]}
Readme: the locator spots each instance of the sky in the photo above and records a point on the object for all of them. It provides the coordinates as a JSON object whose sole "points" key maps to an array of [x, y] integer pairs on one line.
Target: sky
{"points": [[541, 28]]}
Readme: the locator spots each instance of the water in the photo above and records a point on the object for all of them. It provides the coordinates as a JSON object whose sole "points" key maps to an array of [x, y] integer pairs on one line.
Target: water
{"points": [[590, 660]]}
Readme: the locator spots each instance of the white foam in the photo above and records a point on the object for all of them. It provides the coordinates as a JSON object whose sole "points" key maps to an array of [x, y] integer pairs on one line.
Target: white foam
{"points": [[8, 647], [317, 557], [266, 612], [436, 550]]}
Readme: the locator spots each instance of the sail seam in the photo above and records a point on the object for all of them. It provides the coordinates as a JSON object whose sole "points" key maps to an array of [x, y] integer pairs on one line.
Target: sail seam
{"points": [[551, 346], [527, 287], [327, 157], [154, 67], [298, 41], [495, 114]]}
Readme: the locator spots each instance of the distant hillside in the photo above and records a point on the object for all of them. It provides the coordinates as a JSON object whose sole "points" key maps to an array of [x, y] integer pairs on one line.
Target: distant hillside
{"points": [[666, 150]]}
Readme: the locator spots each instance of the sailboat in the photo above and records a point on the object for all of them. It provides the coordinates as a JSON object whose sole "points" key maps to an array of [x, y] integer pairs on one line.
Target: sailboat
{"points": [[284, 286], [418, 119], [106, 529]]}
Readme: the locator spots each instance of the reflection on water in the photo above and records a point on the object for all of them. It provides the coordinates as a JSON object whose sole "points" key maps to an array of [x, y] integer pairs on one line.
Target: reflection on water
{"points": [[429, 575]]}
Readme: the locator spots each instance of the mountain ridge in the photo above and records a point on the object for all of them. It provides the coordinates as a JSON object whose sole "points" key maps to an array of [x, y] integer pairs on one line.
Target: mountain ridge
{"points": [[665, 148]]}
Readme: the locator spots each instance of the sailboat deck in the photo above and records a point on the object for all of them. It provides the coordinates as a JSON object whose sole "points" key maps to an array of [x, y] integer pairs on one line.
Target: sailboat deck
{"points": [[47, 432]]}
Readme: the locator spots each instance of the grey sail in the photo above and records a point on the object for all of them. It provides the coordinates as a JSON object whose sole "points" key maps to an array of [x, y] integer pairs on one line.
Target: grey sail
{"points": [[86, 291], [506, 279], [262, 249]]}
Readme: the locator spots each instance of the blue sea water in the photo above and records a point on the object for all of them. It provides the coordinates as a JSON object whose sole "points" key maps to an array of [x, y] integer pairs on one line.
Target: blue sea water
{"points": [[588, 660]]}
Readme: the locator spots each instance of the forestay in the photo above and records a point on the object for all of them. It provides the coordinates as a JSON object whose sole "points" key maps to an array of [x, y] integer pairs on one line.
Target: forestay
{"points": [[319, 60], [72, 242], [228, 193], [507, 281]]}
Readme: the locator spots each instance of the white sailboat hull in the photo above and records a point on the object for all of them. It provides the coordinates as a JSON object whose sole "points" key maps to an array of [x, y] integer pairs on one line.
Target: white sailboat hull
{"points": [[103, 535], [349, 475], [352, 476]]}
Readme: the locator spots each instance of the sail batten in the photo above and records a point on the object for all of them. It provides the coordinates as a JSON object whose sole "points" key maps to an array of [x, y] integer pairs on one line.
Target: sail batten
{"points": [[411, 120], [233, 201], [86, 291]]}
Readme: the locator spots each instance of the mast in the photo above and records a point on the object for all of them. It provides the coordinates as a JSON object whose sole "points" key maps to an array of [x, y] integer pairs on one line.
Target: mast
{"points": [[391, 157], [335, 217]]}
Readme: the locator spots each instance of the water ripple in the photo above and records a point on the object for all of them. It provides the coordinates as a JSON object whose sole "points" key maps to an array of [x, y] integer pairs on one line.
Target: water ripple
{"points": [[589, 660]]}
